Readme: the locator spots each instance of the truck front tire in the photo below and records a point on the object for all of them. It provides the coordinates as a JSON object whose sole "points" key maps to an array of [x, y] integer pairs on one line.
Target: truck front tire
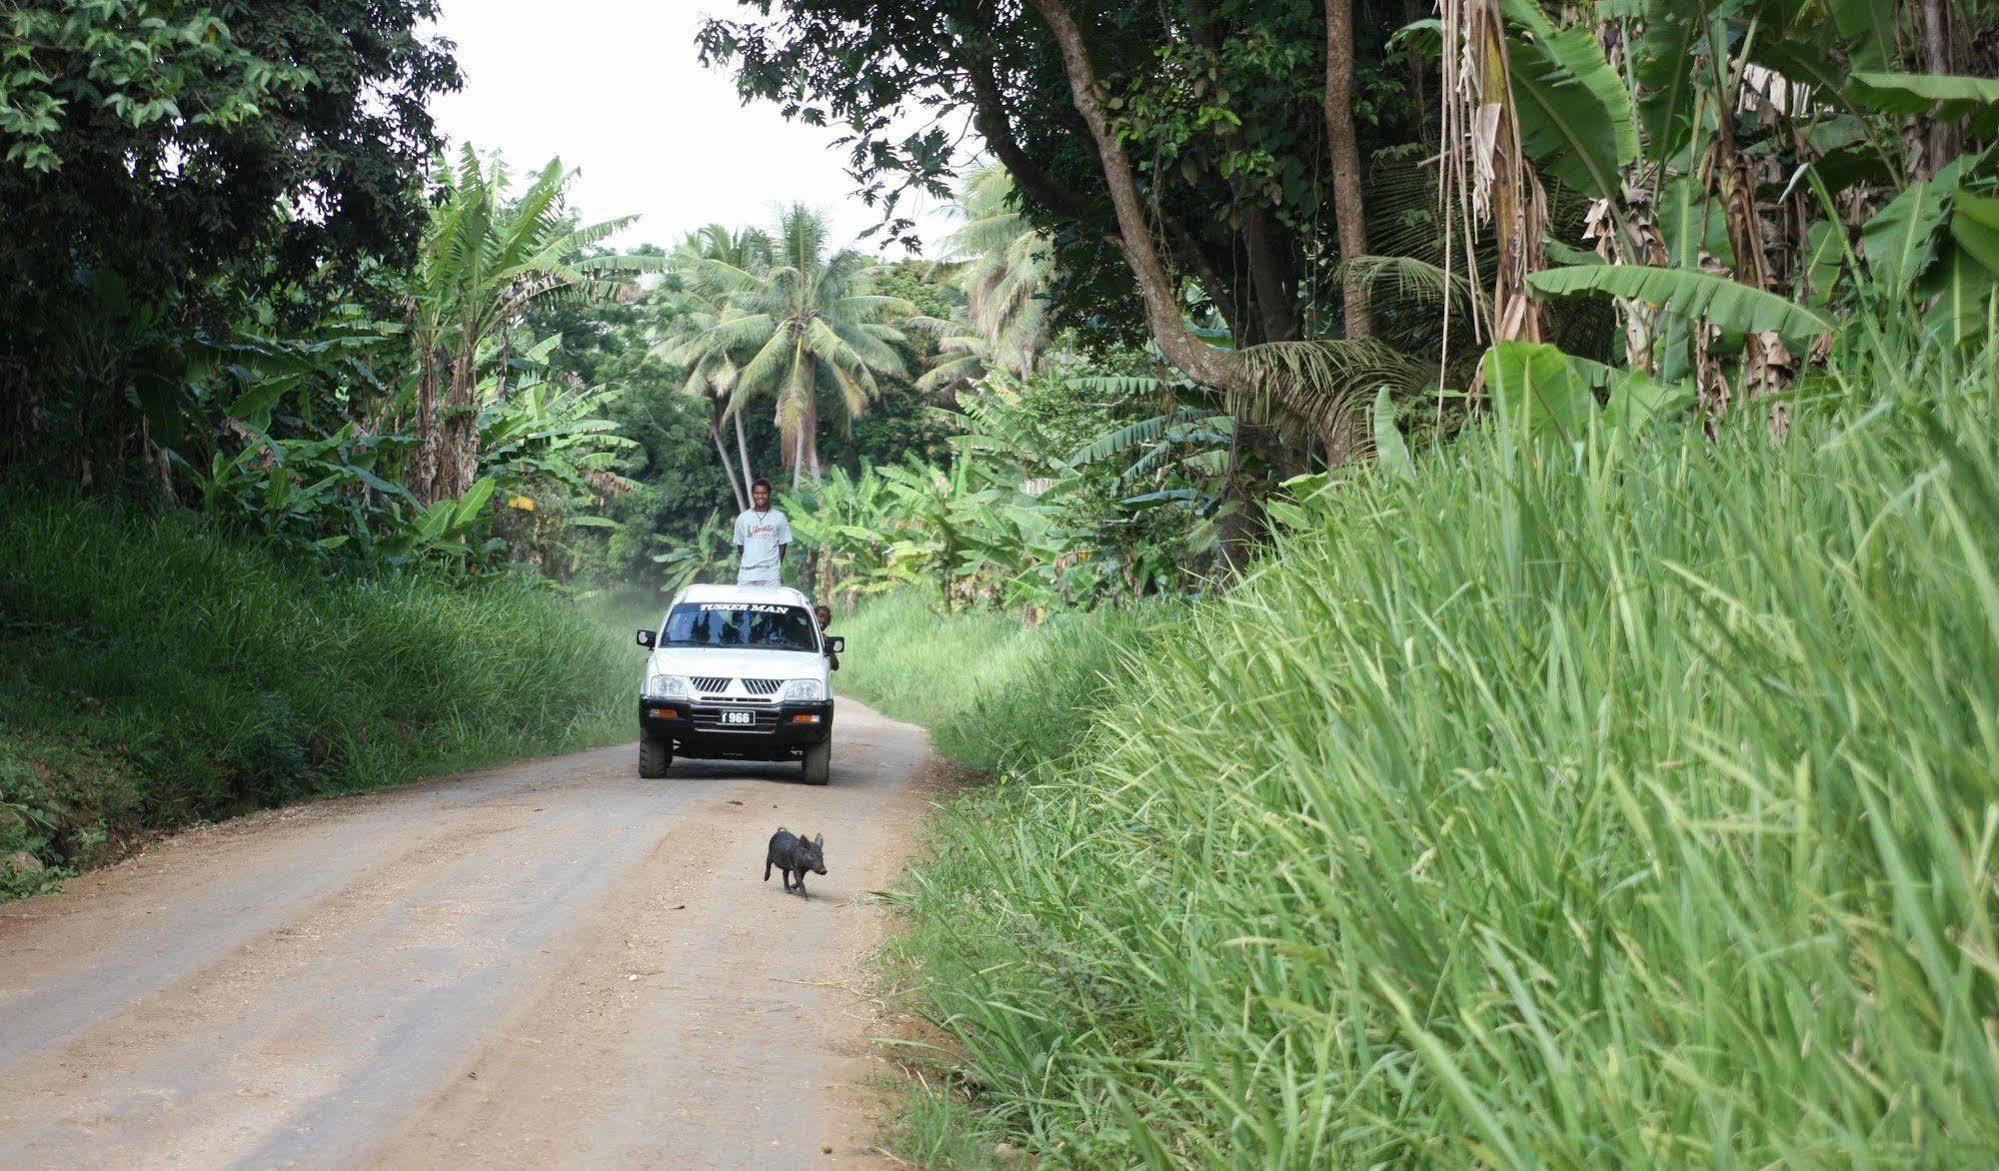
{"points": [[819, 763], [655, 756]]}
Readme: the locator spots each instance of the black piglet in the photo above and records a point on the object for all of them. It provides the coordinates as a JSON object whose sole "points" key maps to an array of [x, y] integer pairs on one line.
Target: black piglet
{"points": [[793, 854]]}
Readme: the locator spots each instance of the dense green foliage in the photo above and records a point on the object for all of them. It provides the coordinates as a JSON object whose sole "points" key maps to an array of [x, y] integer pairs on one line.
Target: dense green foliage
{"points": [[158, 674], [1609, 804], [170, 166], [422, 436], [269, 390], [669, 480], [1758, 171], [681, 480], [1727, 220], [239, 278], [1061, 490]]}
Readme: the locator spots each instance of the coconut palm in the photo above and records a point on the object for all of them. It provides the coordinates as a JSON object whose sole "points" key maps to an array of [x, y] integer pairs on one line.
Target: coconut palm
{"points": [[711, 380], [808, 320], [1003, 266], [712, 372]]}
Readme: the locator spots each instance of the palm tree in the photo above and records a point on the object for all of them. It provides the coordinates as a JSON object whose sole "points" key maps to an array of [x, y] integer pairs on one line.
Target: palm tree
{"points": [[1004, 267], [1009, 265], [806, 320], [712, 373], [484, 262]]}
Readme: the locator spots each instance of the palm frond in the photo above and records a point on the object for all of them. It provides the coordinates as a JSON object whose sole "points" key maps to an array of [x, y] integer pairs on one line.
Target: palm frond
{"points": [[1144, 431], [1409, 281], [1321, 384]]}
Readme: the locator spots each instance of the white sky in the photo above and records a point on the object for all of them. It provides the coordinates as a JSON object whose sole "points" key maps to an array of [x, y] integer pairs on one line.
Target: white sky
{"points": [[616, 89]]}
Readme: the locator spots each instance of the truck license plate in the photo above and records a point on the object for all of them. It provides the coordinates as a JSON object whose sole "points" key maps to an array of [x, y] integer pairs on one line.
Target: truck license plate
{"points": [[738, 718]]}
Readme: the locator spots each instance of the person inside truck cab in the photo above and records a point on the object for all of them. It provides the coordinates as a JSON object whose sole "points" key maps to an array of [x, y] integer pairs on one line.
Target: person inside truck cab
{"points": [[824, 614]]}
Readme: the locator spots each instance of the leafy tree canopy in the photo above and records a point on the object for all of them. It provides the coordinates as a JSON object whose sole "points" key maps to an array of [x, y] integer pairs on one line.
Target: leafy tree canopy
{"points": [[160, 159], [1219, 101]]}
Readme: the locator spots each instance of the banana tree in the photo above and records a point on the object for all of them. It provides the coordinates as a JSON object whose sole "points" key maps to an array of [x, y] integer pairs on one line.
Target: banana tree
{"points": [[1735, 152], [544, 429], [488, 257], [704, 556], [845, 522]]}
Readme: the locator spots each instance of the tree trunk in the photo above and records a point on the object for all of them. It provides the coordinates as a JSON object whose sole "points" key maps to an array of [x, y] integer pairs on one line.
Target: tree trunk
{"points": [[805, 446], [990, 115], [1160, 292], [429, 439], [1518, 205], [1229, 298], [458, 430], [1276, 307], [1941, 144], [1266, 247], [1343, 148], [1418, 73], [743, 453], [1766, 364], [721, 450]]}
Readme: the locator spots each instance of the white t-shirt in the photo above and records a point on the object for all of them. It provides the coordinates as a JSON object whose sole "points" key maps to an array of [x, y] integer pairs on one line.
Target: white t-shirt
{"points": [[758, 535]]}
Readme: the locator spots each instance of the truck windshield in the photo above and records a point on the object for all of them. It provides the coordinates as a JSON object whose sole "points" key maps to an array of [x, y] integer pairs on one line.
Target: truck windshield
{"points": [[740, 624]]}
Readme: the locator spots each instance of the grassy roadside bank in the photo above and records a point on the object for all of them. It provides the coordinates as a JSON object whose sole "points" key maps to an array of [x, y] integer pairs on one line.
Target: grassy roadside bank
{"points": [[1578, 807], [158, 676], [997, 695]]}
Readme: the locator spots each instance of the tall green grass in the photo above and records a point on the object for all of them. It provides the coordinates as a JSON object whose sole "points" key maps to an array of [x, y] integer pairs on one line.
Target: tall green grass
{"points": [[156, 675], [997, 694], [1590, 807]]}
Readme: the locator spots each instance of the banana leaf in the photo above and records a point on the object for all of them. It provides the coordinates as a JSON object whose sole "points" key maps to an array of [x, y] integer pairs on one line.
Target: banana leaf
{"points": [[1727, 303]]}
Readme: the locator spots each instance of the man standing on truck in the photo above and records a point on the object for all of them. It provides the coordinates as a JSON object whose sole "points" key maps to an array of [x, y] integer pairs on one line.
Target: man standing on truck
{"points": [[762, 532]]}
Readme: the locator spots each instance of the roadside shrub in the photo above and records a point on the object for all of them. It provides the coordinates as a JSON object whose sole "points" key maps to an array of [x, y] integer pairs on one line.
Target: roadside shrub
{"points": [[157, 675]]}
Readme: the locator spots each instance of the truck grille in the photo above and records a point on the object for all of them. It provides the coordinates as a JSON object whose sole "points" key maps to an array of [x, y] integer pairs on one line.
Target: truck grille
{"points": [[721, 687]]}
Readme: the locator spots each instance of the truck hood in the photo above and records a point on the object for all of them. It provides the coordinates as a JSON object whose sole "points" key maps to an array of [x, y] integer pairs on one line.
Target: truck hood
{"points": [[737, 664]]}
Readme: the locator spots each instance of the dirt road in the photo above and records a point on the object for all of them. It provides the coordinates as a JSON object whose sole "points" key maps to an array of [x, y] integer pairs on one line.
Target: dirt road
{"points": [[548, 964]]}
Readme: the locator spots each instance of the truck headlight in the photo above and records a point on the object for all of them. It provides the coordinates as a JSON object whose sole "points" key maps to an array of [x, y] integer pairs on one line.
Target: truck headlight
{"points": [[802, 689], [668, 687]]}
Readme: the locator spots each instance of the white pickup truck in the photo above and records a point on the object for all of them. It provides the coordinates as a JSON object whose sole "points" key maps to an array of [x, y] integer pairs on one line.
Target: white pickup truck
{"points": [[740, 673]]}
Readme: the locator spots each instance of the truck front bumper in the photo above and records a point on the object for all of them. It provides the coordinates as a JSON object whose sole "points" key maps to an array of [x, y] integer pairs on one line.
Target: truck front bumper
{"points": [[775, 732]]}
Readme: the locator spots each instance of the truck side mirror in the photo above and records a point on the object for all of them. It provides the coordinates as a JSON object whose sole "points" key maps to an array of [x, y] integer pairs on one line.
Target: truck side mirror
{"points": [[836, 644], [647, 637]]}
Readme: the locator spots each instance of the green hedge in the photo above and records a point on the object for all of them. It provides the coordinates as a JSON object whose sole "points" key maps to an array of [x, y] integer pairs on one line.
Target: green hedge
{"points": [[158, 675]]}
